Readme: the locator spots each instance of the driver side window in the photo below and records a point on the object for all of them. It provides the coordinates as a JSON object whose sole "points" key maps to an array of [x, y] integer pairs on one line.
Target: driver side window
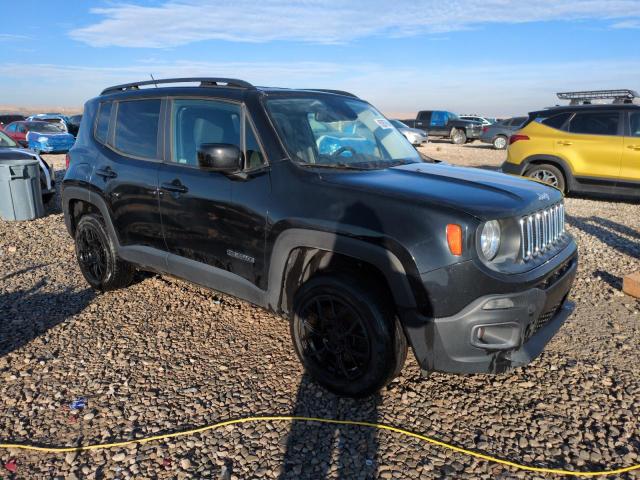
{"points": [[196, 122]]}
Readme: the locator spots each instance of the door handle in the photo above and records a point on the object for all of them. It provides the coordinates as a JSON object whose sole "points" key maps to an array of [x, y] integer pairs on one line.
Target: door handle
{"points": [[106, 173], [634, 147], [175, 187], [565, 142]]}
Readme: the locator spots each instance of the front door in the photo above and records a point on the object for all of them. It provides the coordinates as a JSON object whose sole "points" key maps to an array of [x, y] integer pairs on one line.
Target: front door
{"points": [[215, 219], [630, 170], [194, 202], [593, 146]]}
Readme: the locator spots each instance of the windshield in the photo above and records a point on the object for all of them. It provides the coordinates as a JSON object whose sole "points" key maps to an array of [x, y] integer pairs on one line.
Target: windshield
{"points": [[45, 127], [333, 131], [6, 141]]}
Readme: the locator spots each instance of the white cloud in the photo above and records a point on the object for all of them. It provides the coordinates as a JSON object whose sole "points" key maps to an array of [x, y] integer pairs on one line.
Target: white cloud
{"points": [[10, 37], [627, 24], [495, 89], [180, 22]]}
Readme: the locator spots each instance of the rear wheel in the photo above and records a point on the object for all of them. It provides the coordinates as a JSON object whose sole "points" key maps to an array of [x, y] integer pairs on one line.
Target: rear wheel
{"points": [[347, 337], [458, 136], [96, 255], [549, 174], [500, 142]]}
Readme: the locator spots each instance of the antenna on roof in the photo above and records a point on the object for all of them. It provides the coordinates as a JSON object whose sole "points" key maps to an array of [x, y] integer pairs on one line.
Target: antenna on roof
{"points": [[154, 80]]}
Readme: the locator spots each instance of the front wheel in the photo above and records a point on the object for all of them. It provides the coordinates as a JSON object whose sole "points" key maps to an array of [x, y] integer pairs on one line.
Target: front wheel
{"points": [[96, 255], [458, 136], [347, 337], [549, 174]]}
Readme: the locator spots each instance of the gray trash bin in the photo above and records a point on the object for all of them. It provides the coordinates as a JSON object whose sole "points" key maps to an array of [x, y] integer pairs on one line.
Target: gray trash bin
{"points": [[20, 193]]}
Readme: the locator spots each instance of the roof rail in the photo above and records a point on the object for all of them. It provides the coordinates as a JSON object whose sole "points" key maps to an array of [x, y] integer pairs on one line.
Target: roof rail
{"points": [[585, 97], [204, 82], [328, 90]]}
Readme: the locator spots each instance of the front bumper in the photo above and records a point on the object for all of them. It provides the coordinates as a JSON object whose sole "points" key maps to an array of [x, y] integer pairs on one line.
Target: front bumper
{"points": [[481, 340]]}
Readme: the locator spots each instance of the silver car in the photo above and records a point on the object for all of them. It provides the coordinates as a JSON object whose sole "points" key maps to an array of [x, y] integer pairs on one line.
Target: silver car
{"points": [[498, 134], [416, 136]]}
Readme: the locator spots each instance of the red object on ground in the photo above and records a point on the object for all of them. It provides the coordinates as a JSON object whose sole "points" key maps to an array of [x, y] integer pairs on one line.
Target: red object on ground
{"points": [[11, 465]]}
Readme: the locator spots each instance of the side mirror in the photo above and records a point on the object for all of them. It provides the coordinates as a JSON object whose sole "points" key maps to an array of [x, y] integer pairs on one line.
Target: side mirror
{"points": [[219, 157]]}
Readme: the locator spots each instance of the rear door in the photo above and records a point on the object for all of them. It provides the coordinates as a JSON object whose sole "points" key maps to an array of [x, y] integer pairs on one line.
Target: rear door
{"points": [[630, 168], [422, 121], [126, 169], [439, 124], [592, 144]]}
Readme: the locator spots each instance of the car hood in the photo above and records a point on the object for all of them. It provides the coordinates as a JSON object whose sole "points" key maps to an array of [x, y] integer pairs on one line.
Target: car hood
{"points": [[482, 193], [12, 153], [417, 131]]}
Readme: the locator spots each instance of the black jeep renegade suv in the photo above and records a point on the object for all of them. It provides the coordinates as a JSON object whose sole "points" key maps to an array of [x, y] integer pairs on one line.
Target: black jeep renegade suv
{"points": [[311, 204]]}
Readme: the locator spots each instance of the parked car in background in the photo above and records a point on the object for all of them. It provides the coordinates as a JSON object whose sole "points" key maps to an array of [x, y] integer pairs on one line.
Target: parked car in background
{"points": [[416, 136], [12, 150], [7, 119], [439, 123], [55, 118], [484, 121], [498, 134], [74, 124], [47, 137], [580, 148], [312, 205]]}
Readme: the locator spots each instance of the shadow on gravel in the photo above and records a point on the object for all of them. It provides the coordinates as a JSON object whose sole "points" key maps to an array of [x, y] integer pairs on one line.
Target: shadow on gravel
{"points": [[27, 314], [609, 232], [316, 451]]}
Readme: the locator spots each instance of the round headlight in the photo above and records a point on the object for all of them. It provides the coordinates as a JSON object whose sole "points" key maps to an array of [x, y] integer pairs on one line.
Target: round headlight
{"points": [[490, 239]]}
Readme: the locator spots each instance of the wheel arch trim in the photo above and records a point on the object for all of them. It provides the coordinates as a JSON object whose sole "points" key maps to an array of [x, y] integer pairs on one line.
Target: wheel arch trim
{"points": [[382, 259]]}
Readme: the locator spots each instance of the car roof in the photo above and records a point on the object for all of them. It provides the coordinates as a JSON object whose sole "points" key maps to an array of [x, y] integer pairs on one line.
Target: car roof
{"points": [[586, 108]]}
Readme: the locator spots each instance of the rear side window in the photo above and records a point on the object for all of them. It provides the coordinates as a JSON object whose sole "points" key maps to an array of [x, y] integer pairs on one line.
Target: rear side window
{"points": [[136, 131], [518, 121], [556, 121], [595, 123], [634, 124], [438, 119], [102, 123]]}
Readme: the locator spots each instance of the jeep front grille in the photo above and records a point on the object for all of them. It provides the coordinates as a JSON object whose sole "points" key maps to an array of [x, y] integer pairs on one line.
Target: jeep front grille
{"points": [[541, 230]]}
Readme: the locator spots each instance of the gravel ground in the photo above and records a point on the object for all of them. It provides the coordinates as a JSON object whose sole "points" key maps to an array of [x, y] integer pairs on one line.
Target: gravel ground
{"points": [[165, 355]]}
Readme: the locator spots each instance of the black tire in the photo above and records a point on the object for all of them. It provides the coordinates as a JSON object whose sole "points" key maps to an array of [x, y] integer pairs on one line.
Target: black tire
{"points": [[500, 142], [362, 313], [549, 174], [458, 136], [97, 258]]}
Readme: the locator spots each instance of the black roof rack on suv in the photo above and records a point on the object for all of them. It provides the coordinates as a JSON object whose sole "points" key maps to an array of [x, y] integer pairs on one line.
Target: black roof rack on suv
{"points": [[585, 97], [337, 92], [204, 82]]}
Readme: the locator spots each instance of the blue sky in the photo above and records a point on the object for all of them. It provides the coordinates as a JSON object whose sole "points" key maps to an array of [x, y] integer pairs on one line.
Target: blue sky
{"points": [[494, 57]]}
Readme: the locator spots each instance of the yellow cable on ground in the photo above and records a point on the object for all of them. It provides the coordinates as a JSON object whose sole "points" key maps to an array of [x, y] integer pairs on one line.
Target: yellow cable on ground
{"points": [[433, 441]]}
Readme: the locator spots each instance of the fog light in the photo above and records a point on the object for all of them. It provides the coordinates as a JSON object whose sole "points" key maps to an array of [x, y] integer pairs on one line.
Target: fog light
{"points": [[498, 304]]}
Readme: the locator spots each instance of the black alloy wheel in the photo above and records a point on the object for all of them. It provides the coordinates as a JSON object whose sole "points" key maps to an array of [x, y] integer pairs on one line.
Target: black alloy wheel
{"points": [[97, 257], [92, 255], [335, 337], [346, 333]]}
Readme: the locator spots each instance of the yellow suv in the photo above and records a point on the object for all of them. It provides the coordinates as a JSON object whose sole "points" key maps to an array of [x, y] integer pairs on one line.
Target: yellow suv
{"points": [[580, 148]]}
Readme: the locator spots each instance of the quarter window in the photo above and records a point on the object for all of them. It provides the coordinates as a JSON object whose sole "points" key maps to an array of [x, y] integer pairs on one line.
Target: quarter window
{"points": [[634, 124], [11, 128], [556, 121], [136, 131], [595, 123], [102, 124], [196, 122]]}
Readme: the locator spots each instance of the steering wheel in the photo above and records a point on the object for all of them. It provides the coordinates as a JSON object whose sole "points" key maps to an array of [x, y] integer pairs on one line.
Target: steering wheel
{"points": [[341, 150]]}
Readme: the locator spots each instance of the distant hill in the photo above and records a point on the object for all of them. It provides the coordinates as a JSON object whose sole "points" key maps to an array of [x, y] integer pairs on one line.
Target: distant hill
{"points": [[8, 109]]}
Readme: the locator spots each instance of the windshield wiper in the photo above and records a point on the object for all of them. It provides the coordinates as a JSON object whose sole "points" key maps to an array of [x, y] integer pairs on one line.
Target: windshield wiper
{"points": [[342, 166]]}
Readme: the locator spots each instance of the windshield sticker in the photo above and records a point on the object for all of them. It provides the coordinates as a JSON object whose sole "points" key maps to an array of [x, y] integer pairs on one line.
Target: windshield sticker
{"points": [[383, 123]]}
